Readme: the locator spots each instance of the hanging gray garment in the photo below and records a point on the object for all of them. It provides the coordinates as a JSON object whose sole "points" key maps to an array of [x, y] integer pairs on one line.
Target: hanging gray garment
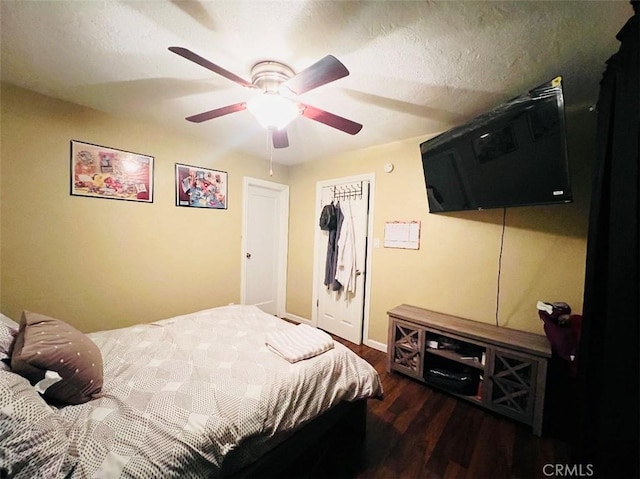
{"points": [[332, 250]]}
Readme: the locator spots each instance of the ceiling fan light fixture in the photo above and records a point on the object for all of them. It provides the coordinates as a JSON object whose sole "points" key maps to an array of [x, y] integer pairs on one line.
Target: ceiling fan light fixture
{"points": [[273, 111], [278, 106]]}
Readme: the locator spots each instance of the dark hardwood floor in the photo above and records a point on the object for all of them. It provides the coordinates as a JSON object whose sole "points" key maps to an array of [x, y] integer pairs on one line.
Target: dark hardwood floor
{"points": [[420, 432]]}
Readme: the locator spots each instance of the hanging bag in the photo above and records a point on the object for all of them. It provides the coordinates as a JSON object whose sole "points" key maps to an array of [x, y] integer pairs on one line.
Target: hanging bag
{"points": [[328, 218]]}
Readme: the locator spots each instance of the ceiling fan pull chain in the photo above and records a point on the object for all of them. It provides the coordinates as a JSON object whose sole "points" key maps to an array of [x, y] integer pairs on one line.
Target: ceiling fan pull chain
{"points": [[270, 154]]}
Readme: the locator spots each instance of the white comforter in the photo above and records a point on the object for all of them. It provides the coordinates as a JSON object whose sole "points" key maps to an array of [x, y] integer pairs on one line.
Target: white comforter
{"points": [[182, 393]]}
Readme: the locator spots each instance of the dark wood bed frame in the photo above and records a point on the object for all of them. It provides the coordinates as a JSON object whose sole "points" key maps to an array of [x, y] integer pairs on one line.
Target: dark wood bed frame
{"points": [[348, 419]]}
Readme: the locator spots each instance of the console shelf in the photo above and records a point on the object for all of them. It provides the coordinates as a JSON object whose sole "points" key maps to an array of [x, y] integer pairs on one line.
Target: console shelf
{"points": [[498, 368]]}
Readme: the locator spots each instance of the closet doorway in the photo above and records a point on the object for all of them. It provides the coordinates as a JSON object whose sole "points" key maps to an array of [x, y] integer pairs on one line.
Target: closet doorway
{"points": [[343, 312], [264, 245]]}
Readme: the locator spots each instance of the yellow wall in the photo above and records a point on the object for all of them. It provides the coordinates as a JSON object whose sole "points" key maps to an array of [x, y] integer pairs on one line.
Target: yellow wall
{"points": [[102, 264], [98, 263], [455, 270]]}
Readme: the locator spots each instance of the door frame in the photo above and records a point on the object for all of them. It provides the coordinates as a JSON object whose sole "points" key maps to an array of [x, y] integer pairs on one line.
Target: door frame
{"points": [[283, 239], [318, 272]]}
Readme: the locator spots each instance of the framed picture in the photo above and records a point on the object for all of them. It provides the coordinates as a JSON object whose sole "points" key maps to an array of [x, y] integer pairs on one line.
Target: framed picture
{"points": [[102, 172], [200, 187]]}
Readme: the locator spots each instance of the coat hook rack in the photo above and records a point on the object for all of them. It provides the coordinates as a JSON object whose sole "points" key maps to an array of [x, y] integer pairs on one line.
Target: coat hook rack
{"points": [[348, 191]]}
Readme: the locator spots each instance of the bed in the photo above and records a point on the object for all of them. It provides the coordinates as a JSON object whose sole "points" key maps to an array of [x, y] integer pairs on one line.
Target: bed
{"points": [[198, 395]]}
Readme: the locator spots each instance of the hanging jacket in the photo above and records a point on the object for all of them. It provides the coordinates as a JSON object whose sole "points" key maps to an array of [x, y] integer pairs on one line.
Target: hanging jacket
{"points": [[346, 261]]}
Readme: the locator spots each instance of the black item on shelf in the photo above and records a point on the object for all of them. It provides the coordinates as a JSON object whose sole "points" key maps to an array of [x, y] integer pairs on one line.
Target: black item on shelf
{"points": [[471, 350], [453, 377], [459, 383]]}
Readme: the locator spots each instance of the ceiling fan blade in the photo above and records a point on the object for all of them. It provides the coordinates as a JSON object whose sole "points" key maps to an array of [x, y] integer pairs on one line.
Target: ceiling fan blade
{"points": [[320, 73], [331, 119], [194, 57], [210, 115], [280, 138]]}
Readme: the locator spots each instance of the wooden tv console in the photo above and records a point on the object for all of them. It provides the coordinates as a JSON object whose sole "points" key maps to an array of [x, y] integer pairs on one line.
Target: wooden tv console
{"points": [[501, 369]]}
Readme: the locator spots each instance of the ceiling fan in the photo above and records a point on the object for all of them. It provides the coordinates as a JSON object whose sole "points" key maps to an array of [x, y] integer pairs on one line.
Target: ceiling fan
{"points": [[280, 88]]}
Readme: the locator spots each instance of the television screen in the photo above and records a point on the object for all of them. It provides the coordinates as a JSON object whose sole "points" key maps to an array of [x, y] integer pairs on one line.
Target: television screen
{"points": [[513, 155]]}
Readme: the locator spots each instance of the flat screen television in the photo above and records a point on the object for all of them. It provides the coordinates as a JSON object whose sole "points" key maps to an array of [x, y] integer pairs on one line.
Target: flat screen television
{"points": [[513, 155]]}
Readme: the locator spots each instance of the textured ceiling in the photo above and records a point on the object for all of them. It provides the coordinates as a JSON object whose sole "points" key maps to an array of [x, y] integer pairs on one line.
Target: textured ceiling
{"points": [[417, 68]]}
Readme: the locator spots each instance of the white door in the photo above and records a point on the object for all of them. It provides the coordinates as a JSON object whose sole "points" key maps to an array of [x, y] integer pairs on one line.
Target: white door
{"points": [[264, 245], [341, 312]]}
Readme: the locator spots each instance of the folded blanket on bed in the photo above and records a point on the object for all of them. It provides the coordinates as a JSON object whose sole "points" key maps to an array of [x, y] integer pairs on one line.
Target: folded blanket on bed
{"points": [[298, 343]]}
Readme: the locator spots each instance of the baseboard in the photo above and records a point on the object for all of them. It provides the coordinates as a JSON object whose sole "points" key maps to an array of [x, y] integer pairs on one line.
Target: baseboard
{"points": [[376, 345], [296, 319]]}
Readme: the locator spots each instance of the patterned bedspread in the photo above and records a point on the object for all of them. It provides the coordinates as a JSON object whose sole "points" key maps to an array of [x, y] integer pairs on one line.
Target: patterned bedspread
{"points": [[182, 393]]}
